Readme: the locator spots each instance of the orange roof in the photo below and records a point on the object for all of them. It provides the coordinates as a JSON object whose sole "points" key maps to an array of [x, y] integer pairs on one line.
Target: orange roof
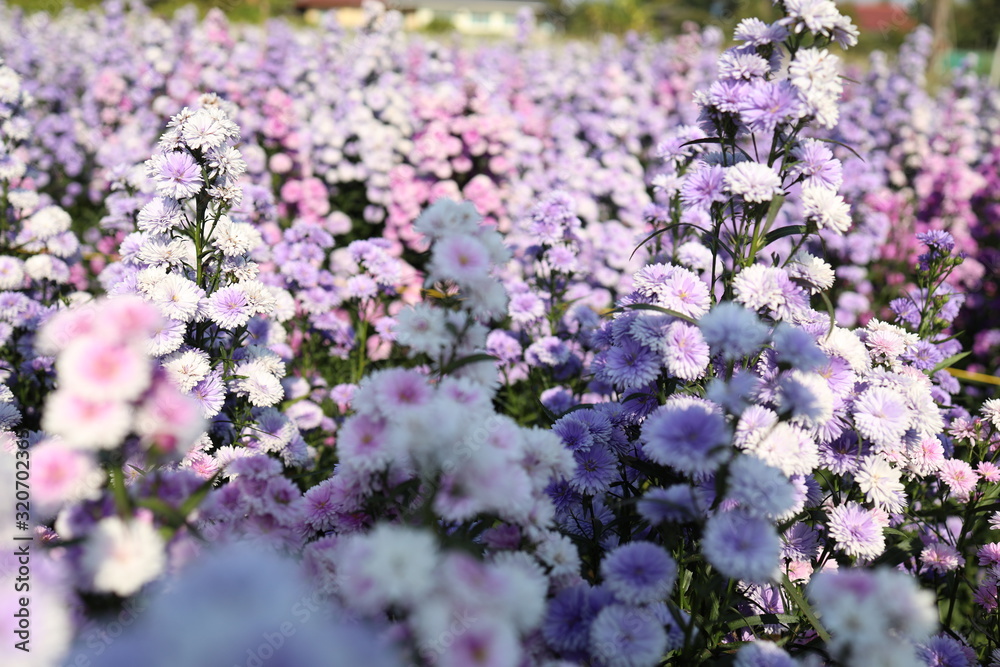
{"points": [[882, 17]]}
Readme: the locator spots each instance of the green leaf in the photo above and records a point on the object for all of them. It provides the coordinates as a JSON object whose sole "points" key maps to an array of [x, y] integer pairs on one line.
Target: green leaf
{"points": [[653, 307], [199, 494], [120, 492], [168, 513], [662, 231], [465, 361], [782, 232], [716, 140], [949, 362], [762, 619], [841, 144], [829, 311], [795, 597]]}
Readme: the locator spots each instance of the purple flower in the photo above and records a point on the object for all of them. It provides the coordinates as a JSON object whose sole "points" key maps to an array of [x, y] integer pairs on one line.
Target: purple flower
{"points": [[855, 531], [624, 636], [229, 307], [689, 436], [630, 364], [768, 104], [817, 165], [686, 353], [566, 626], [938, 241], [639, 573], [704, 187], [945, 651], [763, 654], [881, 416], [596, 468], [574, 433], [741, 546], [177, 175], [679, 503], [210, 394], [732, 330], [800, 542]]}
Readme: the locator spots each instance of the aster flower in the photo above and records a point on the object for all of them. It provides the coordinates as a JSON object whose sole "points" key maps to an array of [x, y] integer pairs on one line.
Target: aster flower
{"points": [[622, 636], [229, 307], [630, 364], [741, 546], [596, 468], [753, 181], [177, 297], [639, 573], [685, 352], [732, 330], [176, 173], [881, 415], [691, 437], [856, 531], [760, 489], [121, 557], [768, 104], [881, 484], [679, 503], [941, 557], [763, 654], [704, 187], [826, 208]]}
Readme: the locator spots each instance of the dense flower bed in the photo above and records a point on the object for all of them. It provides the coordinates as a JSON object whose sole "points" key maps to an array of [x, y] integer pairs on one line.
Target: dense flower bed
{"points": [[330, 348]]}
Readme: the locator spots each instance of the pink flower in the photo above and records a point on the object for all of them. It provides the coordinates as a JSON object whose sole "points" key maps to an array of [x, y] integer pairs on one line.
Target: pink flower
{"points": [[960, 478], [103, 370], [988, 472], [87, 423], [941, 557], [60, 475], [169, 420], [128, 318]]}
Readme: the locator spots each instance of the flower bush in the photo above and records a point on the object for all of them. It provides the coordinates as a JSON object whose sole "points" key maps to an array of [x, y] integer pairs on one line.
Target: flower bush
{"points": [[331, 348]]}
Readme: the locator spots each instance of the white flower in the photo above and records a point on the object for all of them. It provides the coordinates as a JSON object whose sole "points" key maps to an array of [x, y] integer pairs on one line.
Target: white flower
{"points": [[826, 207], [11, 273], [260, 296], [991, 410], [10, 85], [421, 327], [162, 250], [815, 73], [258, 384], [122, 557], [753, 181], [178, 298], [559, 553], [816, 273], [234, 238], [400, 562], [159, 216], [186, 368], [819, 17], [48, 221], [203, 131], [881, 483], [445, 217]]}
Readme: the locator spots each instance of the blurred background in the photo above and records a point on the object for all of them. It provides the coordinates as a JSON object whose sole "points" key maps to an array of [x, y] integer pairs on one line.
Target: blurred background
{"points": [[963, 27]]}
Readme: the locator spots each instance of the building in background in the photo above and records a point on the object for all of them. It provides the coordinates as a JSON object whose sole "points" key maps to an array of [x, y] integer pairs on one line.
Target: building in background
{"points": [[469, 17]]}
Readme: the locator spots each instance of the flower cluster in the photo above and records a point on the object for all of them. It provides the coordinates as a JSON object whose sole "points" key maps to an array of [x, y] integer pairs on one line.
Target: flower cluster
{"points": [[514, 355]]}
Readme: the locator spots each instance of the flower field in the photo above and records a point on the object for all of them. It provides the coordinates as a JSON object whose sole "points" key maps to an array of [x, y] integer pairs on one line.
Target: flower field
{"points": [[336, 348]]}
